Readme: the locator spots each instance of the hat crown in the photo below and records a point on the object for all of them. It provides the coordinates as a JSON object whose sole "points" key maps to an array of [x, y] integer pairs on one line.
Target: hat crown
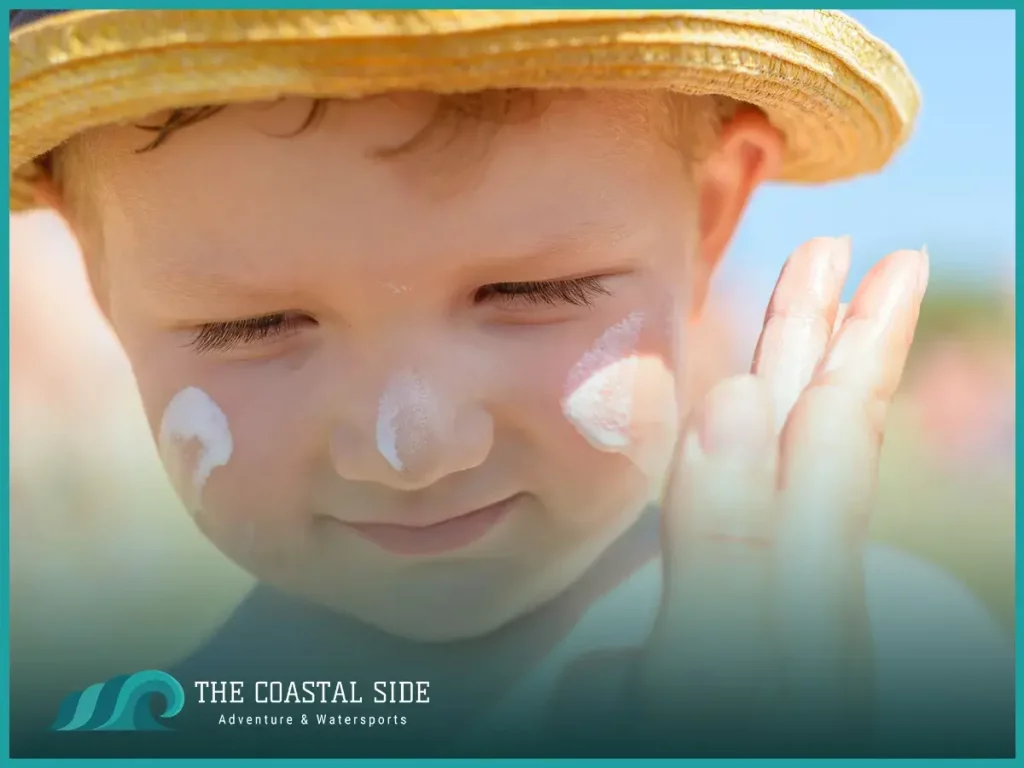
{"points": [[844, 101]]}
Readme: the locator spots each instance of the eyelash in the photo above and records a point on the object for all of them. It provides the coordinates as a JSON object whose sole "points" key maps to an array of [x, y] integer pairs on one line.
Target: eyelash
{"points": [[214, 336], [579, 292]]}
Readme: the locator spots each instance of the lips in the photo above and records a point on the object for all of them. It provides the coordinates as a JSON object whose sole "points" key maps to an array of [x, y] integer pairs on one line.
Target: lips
{"points": [[446, 536]]}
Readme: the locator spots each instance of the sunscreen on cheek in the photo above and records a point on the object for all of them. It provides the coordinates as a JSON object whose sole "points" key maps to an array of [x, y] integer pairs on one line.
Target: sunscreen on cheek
{"points": [[622, 402], [194, 440], [601, 408], [599, 390]]}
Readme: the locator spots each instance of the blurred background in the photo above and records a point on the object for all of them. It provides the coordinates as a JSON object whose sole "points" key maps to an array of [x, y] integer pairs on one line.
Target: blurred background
{"points": [[99, 553]]}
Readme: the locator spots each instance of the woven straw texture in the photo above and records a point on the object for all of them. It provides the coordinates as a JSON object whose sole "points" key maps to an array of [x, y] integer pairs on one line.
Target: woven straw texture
{"points": [[843, 99]]}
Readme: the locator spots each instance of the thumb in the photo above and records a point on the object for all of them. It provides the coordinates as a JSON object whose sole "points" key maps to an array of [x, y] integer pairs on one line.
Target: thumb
{"points": [[721, 495], [718, 516]]}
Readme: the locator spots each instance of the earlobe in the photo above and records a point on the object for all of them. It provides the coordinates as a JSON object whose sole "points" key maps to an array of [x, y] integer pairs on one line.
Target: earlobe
{"points": [[749, 153]]}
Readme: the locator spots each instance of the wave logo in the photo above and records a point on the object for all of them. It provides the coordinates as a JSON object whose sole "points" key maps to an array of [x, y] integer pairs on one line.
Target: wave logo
{"points": [[121, 704]]}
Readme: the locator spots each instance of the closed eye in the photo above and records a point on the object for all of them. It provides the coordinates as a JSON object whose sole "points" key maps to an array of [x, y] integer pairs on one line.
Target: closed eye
{"points": [[221, 336], [579, 292]]}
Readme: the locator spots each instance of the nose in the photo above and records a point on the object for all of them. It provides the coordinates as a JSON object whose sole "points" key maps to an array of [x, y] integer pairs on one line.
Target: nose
{"points": [[421, 432]]}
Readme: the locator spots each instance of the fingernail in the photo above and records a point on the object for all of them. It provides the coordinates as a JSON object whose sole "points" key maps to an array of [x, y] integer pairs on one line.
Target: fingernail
{"points": [[842, 252], [924, 270], [831, 262], [736, 423], [902, 286]]}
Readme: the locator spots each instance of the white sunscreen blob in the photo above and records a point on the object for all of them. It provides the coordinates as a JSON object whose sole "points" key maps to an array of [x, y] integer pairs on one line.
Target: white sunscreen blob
{"points": [[599, 389], [192, 415], [407, 414]]}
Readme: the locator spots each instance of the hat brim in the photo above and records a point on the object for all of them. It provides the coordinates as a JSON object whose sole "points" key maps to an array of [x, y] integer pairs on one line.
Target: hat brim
{"points": [[844, 101]]}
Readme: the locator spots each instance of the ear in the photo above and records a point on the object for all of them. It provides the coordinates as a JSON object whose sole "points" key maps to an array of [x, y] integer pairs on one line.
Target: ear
{"points": [[749, 152]]}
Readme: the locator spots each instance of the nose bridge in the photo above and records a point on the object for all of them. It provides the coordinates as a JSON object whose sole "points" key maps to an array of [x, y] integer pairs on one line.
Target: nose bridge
{"points": [[419, 420]]}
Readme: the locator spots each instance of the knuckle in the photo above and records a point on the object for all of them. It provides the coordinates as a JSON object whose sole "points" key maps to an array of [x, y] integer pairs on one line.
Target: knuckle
{"points": [[831, 401], [798, 313], [778, 326], [857, 325], [834, 412]]}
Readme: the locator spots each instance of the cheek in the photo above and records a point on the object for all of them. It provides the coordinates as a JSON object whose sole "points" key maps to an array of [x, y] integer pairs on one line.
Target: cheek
{"points": [[623, 399], [627, 417], [610, 427], [194, 440], [228, 461], [628, 408]]}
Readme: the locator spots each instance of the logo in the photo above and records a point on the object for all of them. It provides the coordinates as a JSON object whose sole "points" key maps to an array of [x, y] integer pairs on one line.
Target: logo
{"points": [[122, 704]]}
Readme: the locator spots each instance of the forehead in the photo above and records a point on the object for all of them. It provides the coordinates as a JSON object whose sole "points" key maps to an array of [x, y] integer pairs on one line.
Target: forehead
{"points": [[374, 127], [244, 181]]}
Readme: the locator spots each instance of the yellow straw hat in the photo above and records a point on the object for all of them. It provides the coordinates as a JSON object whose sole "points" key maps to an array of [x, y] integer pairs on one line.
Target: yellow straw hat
{"points": [[843, 99]]}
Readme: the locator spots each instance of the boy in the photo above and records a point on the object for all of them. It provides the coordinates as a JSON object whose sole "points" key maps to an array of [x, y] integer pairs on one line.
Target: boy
{"points": [[405, 295]]}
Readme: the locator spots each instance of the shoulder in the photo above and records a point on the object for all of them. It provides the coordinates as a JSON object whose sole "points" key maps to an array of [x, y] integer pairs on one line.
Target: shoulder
{"points": [[943, 664]]}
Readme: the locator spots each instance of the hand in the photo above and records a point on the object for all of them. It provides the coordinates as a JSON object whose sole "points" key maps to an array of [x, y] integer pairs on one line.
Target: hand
{"points": [[763, 618]]}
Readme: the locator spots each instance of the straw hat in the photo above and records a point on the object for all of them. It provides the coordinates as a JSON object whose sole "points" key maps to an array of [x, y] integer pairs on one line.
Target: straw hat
{"points": [[843, 99]]}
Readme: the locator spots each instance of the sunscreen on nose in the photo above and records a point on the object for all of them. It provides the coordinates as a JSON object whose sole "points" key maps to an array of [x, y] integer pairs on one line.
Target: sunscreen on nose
{"points": [[407, 417]]}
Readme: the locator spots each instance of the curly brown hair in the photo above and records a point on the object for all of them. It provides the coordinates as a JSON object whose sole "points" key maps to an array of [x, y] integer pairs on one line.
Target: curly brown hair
{"points": [[485, 107], [690, 124]]}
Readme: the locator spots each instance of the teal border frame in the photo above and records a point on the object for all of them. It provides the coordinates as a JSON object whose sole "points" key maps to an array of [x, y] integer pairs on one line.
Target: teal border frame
{"points": [[390, 763]]}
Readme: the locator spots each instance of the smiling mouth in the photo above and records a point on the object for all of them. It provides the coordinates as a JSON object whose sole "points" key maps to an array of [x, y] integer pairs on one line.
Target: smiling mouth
{"points": [[446, 536]]}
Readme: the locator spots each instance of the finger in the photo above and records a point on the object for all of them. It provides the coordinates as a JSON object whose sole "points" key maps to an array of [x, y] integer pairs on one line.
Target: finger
{"points": [[869, 350], [798, 323], [828, 464], [829, 448], [716, 521], [724, 479]]}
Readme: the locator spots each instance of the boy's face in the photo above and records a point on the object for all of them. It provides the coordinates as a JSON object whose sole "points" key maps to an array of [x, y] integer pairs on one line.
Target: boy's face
{"points": [[345, 355]]}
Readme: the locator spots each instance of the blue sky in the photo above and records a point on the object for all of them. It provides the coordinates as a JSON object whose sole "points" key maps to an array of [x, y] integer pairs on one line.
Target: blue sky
{"points": [[951, 187]]}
